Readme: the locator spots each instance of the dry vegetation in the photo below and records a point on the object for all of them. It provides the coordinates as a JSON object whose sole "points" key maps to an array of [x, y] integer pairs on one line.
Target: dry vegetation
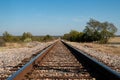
{"points": [[9, 45], [113, 47], [114, 40], [106, 48], [16, 45]]}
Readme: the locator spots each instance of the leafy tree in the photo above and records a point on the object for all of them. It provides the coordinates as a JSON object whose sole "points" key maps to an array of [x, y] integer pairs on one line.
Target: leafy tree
{"points": [[16, 39], [107, 31], [27, 35], [91, 35], [74, 35], [47, 38], [98, 31], [79, 37], [88, 34], [7, 37], [66, 36]]}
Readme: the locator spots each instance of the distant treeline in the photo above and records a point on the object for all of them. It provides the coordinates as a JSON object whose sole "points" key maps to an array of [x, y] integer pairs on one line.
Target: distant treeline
{"points": [[25, 37], [95, 31]]}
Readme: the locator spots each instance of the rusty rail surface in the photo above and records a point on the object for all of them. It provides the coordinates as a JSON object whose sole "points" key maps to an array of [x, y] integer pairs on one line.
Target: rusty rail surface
{"points": [[57, 62]]}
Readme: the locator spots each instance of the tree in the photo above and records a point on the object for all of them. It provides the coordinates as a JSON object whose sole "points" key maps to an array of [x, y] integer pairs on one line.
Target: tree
{"points": [[73, 35], [91, 34], [16, 38], [107, 31], [27, 36], [66, 36], [47, 38], [88, 34], [94, 31], [7, 37], [98, 31]]}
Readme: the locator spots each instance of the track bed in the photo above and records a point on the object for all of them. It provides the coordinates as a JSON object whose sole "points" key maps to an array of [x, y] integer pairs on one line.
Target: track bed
{"points": [[59, 63]]}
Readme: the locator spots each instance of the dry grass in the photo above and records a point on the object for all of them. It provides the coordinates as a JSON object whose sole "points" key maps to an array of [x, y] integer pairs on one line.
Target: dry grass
{"points": [[12, 45], [113, 47], [106, 48], [15, 45], [114, 40]]}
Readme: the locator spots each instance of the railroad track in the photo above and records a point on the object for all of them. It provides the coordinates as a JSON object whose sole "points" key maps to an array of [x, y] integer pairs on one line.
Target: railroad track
{"points": [[62, 61]]}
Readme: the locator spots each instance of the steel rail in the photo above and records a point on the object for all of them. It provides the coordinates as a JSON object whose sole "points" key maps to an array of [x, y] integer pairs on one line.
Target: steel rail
{"points": [[18, 75], [106, 72]]}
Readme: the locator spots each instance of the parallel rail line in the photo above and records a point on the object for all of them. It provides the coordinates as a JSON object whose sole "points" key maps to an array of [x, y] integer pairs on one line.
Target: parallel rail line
{"points": [[62, 61]]}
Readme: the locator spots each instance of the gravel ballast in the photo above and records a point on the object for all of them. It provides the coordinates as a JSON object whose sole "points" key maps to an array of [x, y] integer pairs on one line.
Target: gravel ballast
{"points": [[111, 60], [14, 56]]}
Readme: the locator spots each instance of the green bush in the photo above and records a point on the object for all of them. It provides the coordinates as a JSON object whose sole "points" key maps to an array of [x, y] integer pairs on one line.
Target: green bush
{"points": [[27, 40], [73, 35]]}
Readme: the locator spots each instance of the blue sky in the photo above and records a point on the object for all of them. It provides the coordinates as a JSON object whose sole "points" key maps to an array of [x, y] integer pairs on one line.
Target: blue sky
{"points": [[55, 17]]}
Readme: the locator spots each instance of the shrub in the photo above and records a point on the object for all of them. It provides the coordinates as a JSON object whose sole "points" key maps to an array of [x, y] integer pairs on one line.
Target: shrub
{"points": [[27, 40], [7, 37], [26, 36], [47, 38], [2, 42]]}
